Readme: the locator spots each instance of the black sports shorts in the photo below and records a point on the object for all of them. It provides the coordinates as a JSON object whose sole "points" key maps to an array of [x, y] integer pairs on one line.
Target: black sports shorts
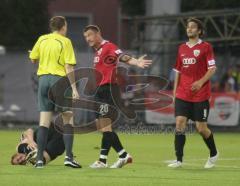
{"points": [[196, 111], [107, 94]]}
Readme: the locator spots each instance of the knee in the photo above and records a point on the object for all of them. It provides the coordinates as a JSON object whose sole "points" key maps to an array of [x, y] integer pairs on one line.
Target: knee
{"points": [[180, 125], [106, 129], [67, 114], [202, 130], [67, 117], [104, 125], [46, 124]]}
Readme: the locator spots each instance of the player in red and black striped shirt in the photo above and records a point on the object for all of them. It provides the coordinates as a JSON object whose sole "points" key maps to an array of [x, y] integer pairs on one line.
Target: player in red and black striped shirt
{"points": [[194, 67], [105, 61]]}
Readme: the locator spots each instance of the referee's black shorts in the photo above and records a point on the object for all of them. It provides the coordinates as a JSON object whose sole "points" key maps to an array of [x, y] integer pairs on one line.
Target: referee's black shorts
{"points": [[196, 111]]}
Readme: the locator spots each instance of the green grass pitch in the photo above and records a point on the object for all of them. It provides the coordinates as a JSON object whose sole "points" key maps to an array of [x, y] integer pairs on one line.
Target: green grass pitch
{"points": [[149, 168]]}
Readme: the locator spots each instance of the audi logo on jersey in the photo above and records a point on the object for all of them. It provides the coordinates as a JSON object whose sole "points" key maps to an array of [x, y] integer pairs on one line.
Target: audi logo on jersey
{"points": [[189, 61]]}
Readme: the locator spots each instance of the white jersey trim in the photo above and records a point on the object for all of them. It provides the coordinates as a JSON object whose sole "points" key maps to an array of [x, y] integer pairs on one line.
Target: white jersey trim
{"points": [[212, 67], [104, 41], [211, 62], [176, 70], [191, 46]]}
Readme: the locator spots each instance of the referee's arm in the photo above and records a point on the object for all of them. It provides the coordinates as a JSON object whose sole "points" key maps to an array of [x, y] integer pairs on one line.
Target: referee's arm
{"points": [[70, 62], [70, 73], [34, 54], [71, 76]]}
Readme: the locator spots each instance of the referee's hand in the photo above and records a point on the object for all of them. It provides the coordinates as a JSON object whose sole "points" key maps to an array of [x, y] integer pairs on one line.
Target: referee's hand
{"points": [[75, 94]]}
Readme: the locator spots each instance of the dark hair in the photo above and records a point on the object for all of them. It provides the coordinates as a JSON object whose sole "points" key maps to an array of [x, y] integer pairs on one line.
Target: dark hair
{"points": [[56, 23], [12, 158], [199, 24], [94, 28]]}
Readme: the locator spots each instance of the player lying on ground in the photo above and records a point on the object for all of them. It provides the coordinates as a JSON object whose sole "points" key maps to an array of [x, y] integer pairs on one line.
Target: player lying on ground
{"points": [[194, 67], [27, 148], [105, 61]]}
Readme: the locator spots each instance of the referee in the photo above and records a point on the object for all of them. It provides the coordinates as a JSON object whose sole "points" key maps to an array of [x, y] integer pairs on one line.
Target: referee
{"points": [[56, 58]]}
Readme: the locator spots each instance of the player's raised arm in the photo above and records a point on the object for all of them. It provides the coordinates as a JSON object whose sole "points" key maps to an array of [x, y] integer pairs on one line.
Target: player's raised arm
{"points": [[28, 135], [140, 62]]}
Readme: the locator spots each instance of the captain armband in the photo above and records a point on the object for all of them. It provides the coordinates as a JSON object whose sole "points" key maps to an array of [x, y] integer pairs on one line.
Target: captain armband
{"points": [[125, 58]]}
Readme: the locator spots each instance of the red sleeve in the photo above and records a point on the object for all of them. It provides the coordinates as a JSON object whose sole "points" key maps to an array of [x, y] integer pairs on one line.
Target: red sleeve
{"points": [[114, 50], [178, 64], [210, 59]]}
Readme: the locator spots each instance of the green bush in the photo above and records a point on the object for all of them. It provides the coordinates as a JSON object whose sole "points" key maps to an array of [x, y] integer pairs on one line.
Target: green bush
{"points": [[22, 21]]}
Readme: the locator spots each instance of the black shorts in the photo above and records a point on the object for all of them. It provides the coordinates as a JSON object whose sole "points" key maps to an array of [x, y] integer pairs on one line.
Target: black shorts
{"points": [[107, 95], [55, 144], [196, 111]]}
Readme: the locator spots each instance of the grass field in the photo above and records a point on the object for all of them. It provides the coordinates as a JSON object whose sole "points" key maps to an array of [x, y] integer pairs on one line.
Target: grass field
{"points": [[149, 168]]}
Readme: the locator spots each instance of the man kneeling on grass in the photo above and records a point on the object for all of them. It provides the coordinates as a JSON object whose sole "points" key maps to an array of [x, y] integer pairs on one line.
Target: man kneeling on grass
{"points": [[27, 148]]}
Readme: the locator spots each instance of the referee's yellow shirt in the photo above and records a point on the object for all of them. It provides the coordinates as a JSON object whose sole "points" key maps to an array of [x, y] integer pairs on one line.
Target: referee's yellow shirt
{"points": [[53, 51]]}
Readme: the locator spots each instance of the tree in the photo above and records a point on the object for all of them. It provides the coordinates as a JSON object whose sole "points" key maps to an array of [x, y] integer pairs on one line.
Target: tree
{"points": [[22, 21], [133, 7]]}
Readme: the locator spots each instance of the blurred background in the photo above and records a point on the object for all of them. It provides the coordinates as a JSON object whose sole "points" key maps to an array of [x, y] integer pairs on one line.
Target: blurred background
{"points": [[154, 27]]}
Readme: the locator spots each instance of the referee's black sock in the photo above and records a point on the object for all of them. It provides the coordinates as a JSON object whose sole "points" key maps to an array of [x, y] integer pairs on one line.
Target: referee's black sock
{"points": [[68, 139], [117, 145], [179, 142], [105, 146], [42, 136], [211, 145]]}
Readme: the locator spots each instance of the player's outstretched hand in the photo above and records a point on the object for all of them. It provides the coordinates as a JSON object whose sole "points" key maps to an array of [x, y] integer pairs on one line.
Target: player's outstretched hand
{"points": [[144, 63]]}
